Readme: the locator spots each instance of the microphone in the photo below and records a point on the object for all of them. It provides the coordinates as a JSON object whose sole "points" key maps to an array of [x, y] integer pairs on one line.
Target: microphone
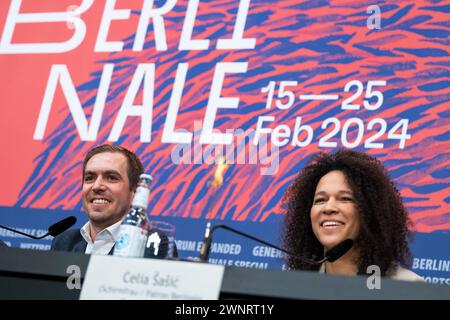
{"points": [[53, 230], [338, 250], [207, 241], [331, 255]]}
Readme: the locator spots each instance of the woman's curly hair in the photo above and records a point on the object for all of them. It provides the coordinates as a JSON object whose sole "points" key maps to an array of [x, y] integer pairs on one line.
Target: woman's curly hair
{"points": [[384, 230]]}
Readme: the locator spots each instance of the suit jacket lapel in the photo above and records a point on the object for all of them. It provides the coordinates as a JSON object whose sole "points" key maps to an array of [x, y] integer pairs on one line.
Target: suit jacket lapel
{"points": [[112, 250], [80, 246]]}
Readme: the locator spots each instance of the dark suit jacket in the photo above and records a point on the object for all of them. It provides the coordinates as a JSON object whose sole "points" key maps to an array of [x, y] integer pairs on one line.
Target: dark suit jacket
{"points": [[72, 240]]}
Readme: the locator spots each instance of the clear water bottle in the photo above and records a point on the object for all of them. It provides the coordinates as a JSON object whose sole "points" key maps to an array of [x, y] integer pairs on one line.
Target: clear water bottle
{"points": [[132, 235]]}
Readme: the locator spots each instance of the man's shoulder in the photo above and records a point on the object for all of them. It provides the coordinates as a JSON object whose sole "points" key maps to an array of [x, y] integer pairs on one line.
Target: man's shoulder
{"points": [[67, 240]]}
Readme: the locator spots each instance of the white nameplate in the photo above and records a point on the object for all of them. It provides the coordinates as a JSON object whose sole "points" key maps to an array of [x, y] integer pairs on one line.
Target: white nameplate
{"points": [[114, 278]]}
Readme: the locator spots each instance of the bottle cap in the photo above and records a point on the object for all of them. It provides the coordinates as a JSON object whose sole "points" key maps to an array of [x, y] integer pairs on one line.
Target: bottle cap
{"points": [[146, 176]]}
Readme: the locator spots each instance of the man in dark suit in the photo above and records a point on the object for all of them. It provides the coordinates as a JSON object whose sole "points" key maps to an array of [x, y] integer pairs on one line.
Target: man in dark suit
{"points": [[110, 178], [72, 240]]}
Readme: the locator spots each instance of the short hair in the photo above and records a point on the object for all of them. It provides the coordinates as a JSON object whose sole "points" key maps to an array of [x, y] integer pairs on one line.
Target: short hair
{"points": [[134, 167], [384, 231]]}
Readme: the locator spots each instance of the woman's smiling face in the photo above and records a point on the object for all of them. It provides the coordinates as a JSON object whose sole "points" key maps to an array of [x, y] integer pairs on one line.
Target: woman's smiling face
{"points": [[334, 213]]}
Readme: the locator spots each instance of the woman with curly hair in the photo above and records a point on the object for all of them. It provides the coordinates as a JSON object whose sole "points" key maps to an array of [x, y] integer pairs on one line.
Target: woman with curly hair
{"points": [[348, 195]]}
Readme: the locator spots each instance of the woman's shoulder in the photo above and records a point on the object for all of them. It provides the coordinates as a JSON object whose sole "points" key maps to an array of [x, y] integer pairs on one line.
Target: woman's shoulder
{"points": [[399, 273]]}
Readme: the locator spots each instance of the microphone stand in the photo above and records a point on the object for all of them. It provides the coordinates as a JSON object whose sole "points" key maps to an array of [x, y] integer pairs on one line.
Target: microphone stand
{"points": [[23, 233], [206, 247], [53, 230]]}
